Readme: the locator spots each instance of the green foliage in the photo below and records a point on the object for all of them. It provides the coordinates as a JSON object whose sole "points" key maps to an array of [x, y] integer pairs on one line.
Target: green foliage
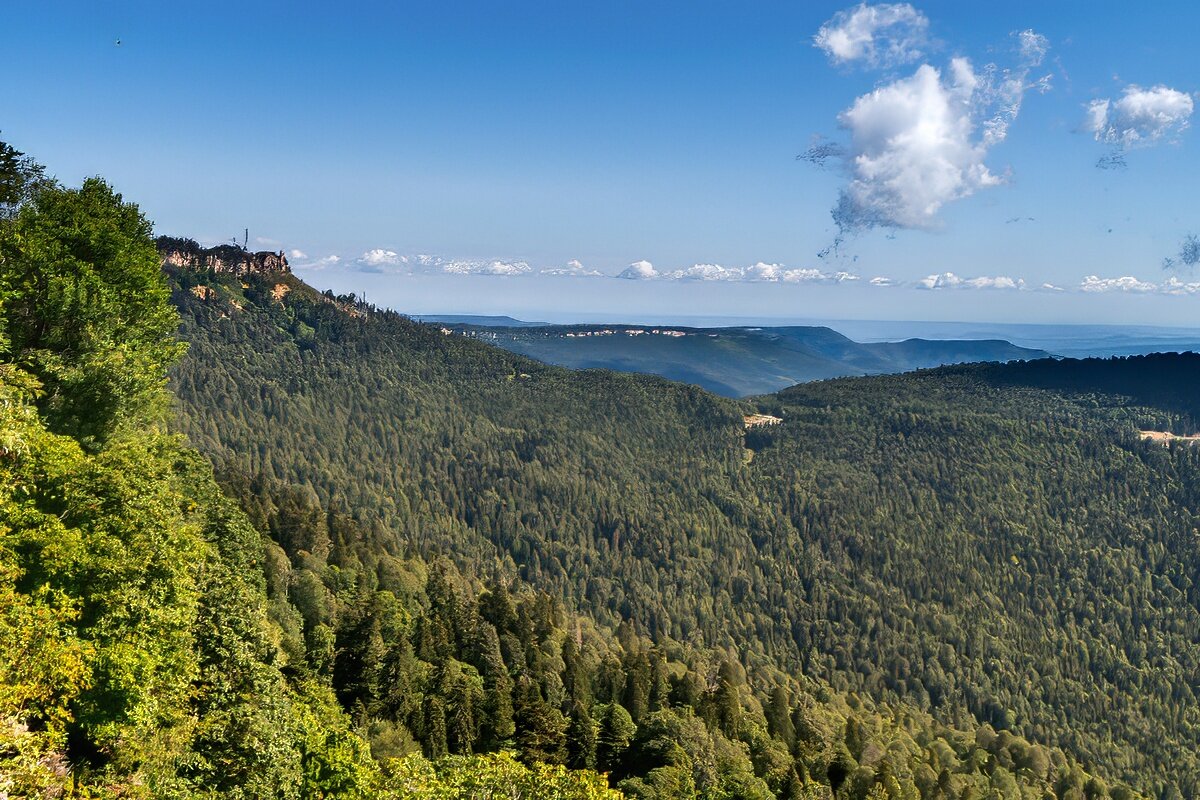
{"points": [[85, 308], [495, 775], [137, 653], [20, 178], [432, 659]]}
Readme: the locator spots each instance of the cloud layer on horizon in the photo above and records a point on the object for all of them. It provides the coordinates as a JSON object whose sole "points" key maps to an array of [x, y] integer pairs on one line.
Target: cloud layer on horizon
{"points": [[385, 261], [761, 272]]}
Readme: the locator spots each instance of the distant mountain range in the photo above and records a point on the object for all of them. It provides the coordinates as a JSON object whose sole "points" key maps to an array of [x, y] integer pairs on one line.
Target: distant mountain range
{"points": [[734, 362], [481, 320]]}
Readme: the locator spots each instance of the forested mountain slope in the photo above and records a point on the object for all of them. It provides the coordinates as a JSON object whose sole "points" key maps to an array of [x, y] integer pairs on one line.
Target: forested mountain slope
{"points": [[145, 649], [959, 539], [736, 361], [137, 658]]}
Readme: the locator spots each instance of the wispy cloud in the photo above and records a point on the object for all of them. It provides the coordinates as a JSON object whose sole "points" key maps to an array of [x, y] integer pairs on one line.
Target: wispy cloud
{"points": [[1188, 256], [1139, 118], [574, 268], [883, 35], [303, 263]]}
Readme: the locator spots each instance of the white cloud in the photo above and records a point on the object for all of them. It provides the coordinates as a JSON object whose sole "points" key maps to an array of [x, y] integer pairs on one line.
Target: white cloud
{"points": [[1140, 117], [639, 270], [881, 280], [433, 265], [1127, 283], [1173, 285], [378, 259], [314, 266], [494, 267], [1131, 285], [574, 268], [920, 142], [756, 273], [764, 272], [948, 280], [705, 272], [912, 150], [809, 275], [805, 275], [877, 36], [298, 254]]}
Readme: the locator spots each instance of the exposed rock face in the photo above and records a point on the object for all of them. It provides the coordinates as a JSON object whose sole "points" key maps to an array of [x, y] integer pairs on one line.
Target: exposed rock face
{"points": [[188, 254]]}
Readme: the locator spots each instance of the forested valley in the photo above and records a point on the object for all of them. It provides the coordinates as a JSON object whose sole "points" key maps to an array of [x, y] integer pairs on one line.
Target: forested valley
{"points": [[399, 563], [991, 544]]}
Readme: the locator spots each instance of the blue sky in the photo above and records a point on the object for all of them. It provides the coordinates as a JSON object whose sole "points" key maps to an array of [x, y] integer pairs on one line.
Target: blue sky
{"points": [[522, 137]]}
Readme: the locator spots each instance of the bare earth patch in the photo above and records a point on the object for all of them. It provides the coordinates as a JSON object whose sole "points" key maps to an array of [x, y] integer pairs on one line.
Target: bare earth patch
{"points": [[1164, 438]]}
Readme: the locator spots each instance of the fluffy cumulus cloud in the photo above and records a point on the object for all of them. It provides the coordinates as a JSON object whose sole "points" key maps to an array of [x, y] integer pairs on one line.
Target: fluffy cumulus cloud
{"points": [[379, 260], [912, 150], [920, 142], [948, 280], [298, 255], [880, 35], [764, 272], [639, 271], [1139, 118]]}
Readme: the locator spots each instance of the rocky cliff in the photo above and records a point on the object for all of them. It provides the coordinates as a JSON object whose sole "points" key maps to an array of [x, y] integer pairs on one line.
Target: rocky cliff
{"points": [[187, 253]]}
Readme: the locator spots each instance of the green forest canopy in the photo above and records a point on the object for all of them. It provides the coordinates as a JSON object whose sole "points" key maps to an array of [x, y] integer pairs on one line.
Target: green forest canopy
{"points": [[433, 569]]}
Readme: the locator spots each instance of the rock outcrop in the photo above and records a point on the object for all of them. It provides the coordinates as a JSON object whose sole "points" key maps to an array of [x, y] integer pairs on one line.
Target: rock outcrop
{"points": [[188, 254]]}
